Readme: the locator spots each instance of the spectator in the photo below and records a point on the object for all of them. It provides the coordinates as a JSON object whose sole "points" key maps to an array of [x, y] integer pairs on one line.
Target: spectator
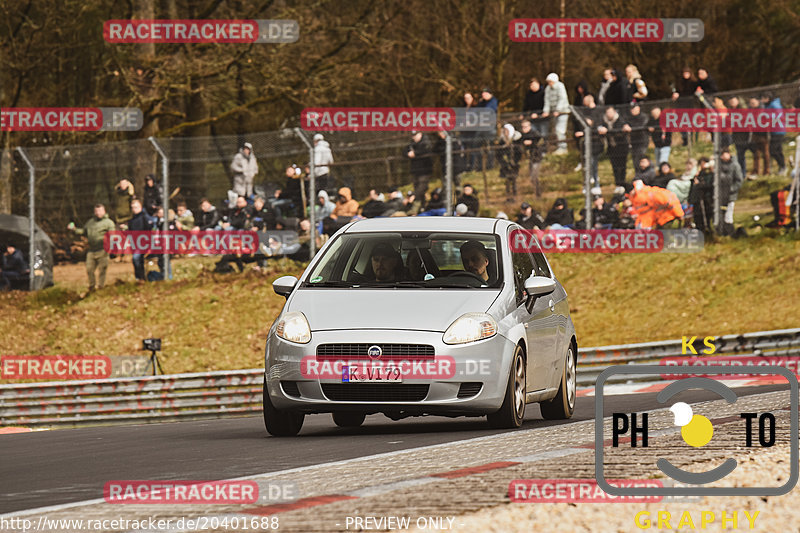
{"points": [[608, 79], [769, 101], [509, 153], [471, 141], [531, 145], [463, 211], [759, 144], [618, 93], [730, 181], [322, 158], [645, 172], [559, 216], [208, 218], [374, 206], [238, 217], [557, 104], [469, 199], [611, 128], [395, 203], [485, 138], [705, 83], [739, 138], [95, 230], [421, 162], [662, 140], [13, 268], [604, 216], [701, 196], [683, 185], [123, 193], [654, 207], [290, 198], [684, 91], [592, 118], [581, 90], [782, 206], [346, 206], [408, 203], [262, 217], [533, 105], [638, 87], [528, 218], [140, 221], [664, 176], [244, 167], [324, 206], [718, 105], [184, 220], [436, 205], [153, 194], [638, 134]]}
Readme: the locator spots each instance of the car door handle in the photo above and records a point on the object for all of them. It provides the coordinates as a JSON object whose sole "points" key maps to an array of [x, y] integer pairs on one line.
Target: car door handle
{"points": [[552, 305]]}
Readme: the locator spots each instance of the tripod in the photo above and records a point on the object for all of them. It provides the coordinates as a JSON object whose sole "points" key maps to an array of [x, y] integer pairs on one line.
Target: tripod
{"points": [[154, 362]]}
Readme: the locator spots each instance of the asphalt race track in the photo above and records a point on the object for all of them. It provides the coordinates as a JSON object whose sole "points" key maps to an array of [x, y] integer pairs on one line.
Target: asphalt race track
{"points": [[47, 468]]}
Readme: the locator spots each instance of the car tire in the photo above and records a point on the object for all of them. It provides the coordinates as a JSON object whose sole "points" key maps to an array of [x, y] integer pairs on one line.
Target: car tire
{"points": [[280, 423], [512, 412], [345, 419], [563, 405]]}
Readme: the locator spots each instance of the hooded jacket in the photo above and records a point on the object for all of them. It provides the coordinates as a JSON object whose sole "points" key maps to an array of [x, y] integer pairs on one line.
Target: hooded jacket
{"points": [[555, 98], [327, 207], [243, 165], [563, 215], [730, 180], [322, 158], [345, 206]]}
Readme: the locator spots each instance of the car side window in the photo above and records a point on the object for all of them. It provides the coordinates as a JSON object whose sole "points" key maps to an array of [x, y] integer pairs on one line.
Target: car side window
{"points": [[523, 268], [541, 265]]}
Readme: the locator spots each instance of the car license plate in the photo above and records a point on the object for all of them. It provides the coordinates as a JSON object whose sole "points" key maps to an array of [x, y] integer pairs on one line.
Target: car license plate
{"points": [[357, 374]]}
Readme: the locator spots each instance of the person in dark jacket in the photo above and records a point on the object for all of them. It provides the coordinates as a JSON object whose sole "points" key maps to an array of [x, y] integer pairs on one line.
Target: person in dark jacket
{"points": [[374, 207], [604, 216], [740, 139], [140, 221], [528, 218], [559, 216], [619, 90], [420, 158], [394, 204], [13, 267], [665, 175], [662, 140], [701, 195], [153, 195], [509, 152], [238, 217], [470, 199], [435, 204], [612, 129], [262, 217], [645, 171], [533, 104], [705, 83], [208, 219], [638, 134]]}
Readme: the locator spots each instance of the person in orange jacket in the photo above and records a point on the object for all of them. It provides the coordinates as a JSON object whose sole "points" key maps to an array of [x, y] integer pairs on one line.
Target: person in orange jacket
{"points": [[654, 207], [346, 206]]}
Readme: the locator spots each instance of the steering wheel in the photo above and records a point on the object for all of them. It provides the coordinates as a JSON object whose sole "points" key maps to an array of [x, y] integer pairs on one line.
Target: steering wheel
{"points": [[465, 274]]}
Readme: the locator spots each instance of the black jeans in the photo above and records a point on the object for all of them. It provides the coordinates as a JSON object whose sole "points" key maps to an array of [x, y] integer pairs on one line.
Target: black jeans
{"points": [[776, 150]]}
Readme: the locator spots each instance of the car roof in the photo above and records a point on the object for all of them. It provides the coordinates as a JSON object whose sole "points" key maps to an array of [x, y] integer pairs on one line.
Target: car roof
{"points": [[436, 223]]}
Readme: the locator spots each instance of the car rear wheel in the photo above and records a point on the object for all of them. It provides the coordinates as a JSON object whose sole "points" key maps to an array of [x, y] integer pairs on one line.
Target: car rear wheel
{"points": [[346, 419], [563, 405], [512, 413], [280, 423]]}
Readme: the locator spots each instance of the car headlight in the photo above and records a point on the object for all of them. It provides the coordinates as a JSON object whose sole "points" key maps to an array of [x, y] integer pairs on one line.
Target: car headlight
{"points": [[294, 327], [470, 327]]}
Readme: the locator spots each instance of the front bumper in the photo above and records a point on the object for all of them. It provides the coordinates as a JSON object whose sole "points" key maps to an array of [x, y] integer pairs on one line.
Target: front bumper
{"points": [[483, 365]]}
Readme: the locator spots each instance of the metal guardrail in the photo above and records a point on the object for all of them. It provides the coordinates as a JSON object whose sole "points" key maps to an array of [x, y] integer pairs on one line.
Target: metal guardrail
{"points": [[238, 392]]}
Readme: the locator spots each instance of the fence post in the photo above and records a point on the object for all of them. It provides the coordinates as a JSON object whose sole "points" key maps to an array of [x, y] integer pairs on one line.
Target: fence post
{"points": [[312, 190], [448, 174], [796, 186], [587, 173], [31, 215], [165, 200]]}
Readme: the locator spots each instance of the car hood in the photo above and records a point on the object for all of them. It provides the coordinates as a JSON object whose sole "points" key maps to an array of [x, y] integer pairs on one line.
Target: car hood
{"points": [[424, 310]]}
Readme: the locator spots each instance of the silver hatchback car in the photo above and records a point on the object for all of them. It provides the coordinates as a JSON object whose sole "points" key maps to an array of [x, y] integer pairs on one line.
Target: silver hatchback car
{"points": [[421, 316]]}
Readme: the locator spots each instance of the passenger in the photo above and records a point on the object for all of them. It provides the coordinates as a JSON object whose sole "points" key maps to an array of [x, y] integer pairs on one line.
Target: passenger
{"points": [[415, 266], [475, 259], [387, 264]]}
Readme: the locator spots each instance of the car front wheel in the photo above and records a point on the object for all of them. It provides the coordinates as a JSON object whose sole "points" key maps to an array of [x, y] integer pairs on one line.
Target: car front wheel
{"points": [[563, 405], [512, 412], [280, 423]]}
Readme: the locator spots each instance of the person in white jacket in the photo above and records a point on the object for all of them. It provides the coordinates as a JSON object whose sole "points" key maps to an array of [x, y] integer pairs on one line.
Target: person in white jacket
{"points": [[244, 167], [556, 103], [322, 158]]}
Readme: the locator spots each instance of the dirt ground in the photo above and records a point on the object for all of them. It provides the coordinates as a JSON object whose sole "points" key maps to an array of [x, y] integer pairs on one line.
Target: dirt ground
{"points": [[73, 275]]}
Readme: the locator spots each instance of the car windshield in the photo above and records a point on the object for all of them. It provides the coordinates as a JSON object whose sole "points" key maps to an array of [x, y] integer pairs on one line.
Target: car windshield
{"points": [[409, 260]]}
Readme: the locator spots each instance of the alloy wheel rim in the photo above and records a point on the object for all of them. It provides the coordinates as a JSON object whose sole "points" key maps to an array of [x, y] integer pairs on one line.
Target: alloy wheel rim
{"points": [[519, 386], [571, 379]]}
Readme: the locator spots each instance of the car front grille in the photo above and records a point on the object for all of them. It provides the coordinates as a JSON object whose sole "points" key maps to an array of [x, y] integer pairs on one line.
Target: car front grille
{"points": [[375, 392], [390, 351]]}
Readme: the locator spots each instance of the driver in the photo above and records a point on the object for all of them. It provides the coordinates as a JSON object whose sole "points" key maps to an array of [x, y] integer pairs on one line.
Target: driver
{"points": [[475, 259], [387, 264]]}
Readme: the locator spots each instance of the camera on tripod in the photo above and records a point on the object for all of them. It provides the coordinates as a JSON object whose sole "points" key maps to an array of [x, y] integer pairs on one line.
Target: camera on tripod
{"points": [[153, 345]]}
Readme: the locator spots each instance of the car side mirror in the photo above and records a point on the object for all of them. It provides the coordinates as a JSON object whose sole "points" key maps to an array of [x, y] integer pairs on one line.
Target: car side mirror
{"points": [[284, 285], [539, 286]]}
